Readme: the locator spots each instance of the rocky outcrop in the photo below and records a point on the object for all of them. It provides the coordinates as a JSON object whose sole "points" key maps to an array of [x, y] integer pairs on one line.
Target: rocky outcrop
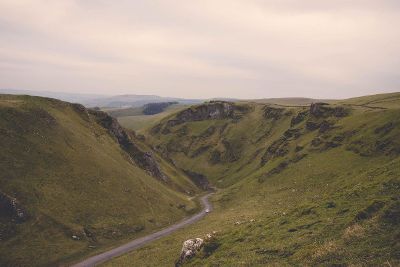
{"points": [[189, 249], [144, 160], [10, 208], [298, 118], [213, 110], [279, 148], [324, 110], [292, 133], [204, 246], [273, 113]]}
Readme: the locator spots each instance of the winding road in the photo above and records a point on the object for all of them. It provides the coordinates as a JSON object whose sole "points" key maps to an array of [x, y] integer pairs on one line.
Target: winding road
{"points": [[140, 242]]}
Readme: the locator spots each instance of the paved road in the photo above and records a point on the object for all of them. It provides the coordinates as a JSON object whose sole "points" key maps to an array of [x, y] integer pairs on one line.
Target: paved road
{"points": [[137, 243]]}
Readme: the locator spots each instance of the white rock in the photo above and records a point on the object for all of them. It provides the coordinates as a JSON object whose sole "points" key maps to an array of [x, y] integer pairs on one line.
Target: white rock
{"points": [[191, 247]]}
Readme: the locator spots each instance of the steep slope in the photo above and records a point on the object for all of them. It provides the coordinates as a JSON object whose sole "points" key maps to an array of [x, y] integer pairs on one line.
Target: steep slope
{"points": [[315, 185], [73, 182]]}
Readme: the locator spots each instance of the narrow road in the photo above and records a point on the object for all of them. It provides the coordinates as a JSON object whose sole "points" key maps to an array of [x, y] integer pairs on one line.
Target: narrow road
{"points": [[137, 243]]}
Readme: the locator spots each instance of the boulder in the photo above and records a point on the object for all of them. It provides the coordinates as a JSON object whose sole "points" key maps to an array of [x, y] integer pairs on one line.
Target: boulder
{"points": [[189, 249]]}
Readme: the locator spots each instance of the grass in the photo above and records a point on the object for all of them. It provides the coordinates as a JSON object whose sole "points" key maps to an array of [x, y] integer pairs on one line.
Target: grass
{"points": [[73, 179], [326, 197], [134, 119]]}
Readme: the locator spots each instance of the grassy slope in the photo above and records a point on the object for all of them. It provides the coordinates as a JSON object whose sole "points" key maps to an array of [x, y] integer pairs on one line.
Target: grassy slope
{"points": [[70, 174], [139, 122], [339, 205], [291, 101]]}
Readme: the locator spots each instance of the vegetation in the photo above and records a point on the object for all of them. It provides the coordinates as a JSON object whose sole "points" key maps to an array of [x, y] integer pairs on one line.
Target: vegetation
{"points": [[135, 118], [297, 184], [68, 188], [316, 185]]}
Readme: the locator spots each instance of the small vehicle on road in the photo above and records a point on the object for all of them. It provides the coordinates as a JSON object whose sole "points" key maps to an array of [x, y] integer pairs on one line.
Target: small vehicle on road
{"points": [[207, 210]]}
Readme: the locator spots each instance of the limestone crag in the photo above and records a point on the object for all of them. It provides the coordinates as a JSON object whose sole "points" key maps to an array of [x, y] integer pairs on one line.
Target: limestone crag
{"points": [[213, 110], [143, 159]]}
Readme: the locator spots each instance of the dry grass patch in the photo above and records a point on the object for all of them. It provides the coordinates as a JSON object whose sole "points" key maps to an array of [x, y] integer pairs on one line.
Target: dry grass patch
{"points": [[10, 102], [353, 231], [327, 249]]}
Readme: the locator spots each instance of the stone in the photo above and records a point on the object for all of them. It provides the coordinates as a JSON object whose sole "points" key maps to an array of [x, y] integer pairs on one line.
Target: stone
{"points": [[189, 249]]}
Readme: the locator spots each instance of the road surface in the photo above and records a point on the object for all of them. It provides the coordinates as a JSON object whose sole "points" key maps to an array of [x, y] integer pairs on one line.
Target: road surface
{"points": [[137, 243]]}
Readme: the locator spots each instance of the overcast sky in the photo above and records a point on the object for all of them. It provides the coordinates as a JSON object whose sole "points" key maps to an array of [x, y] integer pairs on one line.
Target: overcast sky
{"points": [[204, 48]]}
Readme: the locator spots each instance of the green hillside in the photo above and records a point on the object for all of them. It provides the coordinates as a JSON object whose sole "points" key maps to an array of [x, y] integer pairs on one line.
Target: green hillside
{"points": [[317, 185], [135, 119], [73, 183]]}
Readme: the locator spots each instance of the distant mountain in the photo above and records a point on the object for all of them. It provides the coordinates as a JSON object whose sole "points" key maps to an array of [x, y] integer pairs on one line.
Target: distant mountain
{"points": [[69, 97], [104, 101], [120, 101]]}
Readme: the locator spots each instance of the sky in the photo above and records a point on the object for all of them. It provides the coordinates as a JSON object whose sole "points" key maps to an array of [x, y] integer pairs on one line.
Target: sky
{"points": [[202, 48]]}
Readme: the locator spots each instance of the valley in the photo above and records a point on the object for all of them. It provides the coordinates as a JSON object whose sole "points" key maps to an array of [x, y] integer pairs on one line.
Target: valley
{"points": [[313, 183], [240, 133]]}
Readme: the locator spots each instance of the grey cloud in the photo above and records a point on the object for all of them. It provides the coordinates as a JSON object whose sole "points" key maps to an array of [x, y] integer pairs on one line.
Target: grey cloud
{"points": [[232, 48]]}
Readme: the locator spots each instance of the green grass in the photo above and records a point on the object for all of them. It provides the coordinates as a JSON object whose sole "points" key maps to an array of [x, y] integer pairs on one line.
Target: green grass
{"points": [[135, 120], [330, 199], [70, 174]]}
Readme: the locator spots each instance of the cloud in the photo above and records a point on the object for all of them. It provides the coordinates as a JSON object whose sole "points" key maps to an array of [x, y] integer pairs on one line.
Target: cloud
{"points": [[242, 48]]}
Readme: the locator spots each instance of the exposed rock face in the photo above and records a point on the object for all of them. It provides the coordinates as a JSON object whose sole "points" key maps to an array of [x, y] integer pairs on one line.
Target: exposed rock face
{"points": [[273, 113], [144, 160], [10, 208], [292, 133], [279, 148], [298, 118], [323, 110], [189, 249], [82, 111], [210, 111], [325, 126]]}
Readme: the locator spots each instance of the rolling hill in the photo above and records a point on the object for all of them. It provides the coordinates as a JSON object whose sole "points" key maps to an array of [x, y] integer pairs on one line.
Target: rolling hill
{"points": [[314, 185], [103, 101], [73, 182]]}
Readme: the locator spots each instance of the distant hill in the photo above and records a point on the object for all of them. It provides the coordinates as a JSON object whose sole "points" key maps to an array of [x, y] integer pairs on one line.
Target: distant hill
{"points": [[290, 101], [72, 182], [122, 101], [69, 97], [147, 109], [93, 100]]}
